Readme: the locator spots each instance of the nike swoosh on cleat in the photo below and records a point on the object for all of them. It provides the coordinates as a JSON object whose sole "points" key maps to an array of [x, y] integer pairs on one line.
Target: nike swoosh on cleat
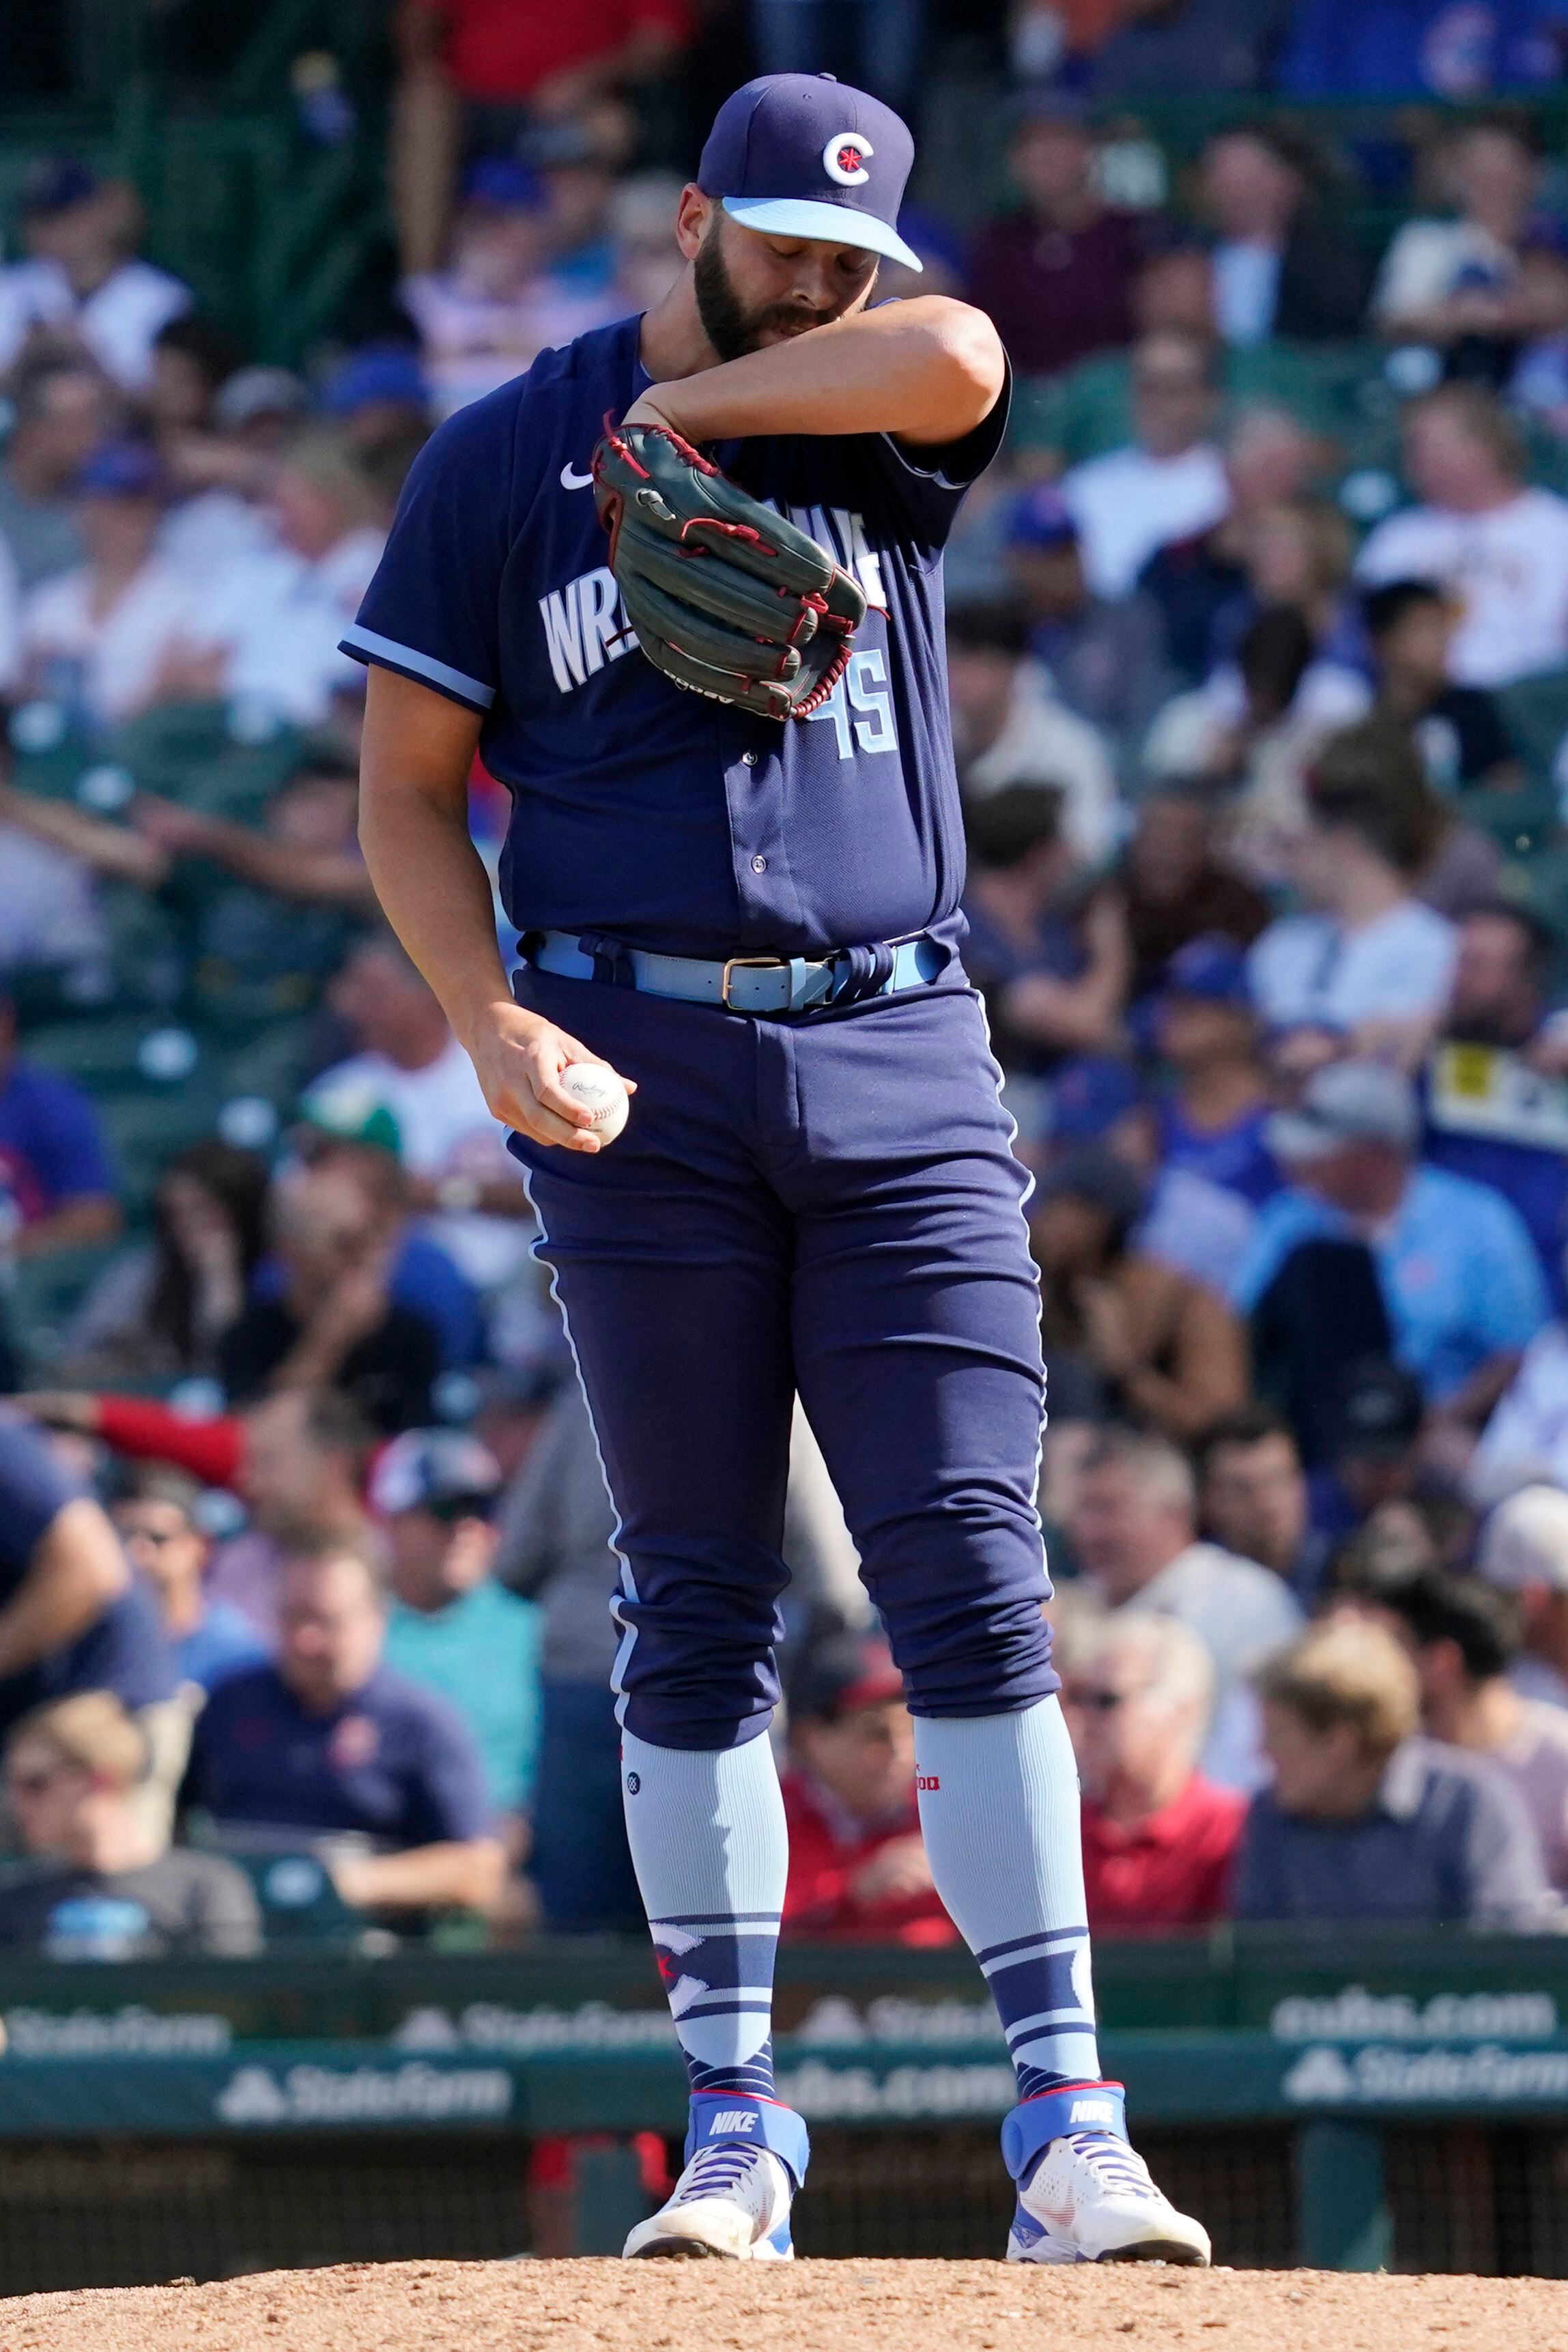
{"points": [[572, 480]]}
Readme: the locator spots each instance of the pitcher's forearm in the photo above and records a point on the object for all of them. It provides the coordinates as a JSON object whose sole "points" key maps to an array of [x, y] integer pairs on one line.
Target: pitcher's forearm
{"points": [[414, 830], [928, 370], [436, 893]]}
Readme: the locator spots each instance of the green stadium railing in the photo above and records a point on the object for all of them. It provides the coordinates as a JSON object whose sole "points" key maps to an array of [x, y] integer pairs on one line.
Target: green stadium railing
{"points": [[1311, 2073]]}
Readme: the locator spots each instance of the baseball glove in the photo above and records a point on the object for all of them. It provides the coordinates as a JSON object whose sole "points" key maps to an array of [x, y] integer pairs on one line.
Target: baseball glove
{"points": [[727, 598]]}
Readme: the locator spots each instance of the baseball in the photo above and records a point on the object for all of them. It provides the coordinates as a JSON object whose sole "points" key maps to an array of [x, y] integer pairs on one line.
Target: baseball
{"points": [[595, 1086]]}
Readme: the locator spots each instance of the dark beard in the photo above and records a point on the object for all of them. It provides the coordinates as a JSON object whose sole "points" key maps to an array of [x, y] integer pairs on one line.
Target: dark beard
{"points": [[730, 328], [724, 322]]}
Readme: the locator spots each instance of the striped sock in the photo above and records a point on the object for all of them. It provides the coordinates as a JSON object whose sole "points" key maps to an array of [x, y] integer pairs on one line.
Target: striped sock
{"points": [[999, 1808], [708, 1842]]}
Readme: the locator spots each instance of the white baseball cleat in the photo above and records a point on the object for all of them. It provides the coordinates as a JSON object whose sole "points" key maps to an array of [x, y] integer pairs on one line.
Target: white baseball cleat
{"points": [[1090, 2199], [730, 2201]]}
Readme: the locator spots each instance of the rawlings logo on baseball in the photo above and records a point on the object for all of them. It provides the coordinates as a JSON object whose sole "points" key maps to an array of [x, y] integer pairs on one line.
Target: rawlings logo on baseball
{"points": [[844, 158]]}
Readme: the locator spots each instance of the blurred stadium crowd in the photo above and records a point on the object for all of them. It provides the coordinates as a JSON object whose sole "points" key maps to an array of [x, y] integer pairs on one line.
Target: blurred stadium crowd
{"points": [[1258, 666]]}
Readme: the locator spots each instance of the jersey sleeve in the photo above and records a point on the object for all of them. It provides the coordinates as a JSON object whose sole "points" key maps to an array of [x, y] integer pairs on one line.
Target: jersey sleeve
{"points": [[432, 611], [929, 484], [33, 1493]]}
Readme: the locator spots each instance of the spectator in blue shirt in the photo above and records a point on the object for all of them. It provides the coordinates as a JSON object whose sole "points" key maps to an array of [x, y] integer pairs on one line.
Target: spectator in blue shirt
{"points": [[1460, 1279], [1365, 1821], [71, 1618], [1417, 48], [1212, 1121], [331, 1739], [155, 1515], [453, 1628], [53, 1161]]}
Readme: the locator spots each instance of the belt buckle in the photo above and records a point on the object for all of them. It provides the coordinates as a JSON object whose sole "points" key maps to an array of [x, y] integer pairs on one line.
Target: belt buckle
{"points": [[746, 963]]}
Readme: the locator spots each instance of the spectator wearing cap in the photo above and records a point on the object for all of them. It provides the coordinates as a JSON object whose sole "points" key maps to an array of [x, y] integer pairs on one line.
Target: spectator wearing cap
{"points": [[1189, 1223], [1367, 1820], [1009, 727], [1459, 731], [478, 71], [1133, 1532], [1159, 1840], [332, 1740], [1166, 1347], [489, 313], [1103, 655], [101, 640], [157, 1516], [1256, 1500], [1213, 1117], [62, 408], [1176, 886], [1279, 267], [1376, 1412], [1458, 1275], [1056, 275], [1523, 1550], [1050, 961], [1464, 1634], [378, 393], [57, 1179], [1368, 958], [1498, 545], [1488, 1114], [105, 1885], [453, 1628], [1168, 482], [857, 1861], [81, 278]]}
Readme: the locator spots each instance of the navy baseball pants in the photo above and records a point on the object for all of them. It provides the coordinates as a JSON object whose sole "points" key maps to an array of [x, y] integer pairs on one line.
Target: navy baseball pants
{"points": [[825, 1203]]}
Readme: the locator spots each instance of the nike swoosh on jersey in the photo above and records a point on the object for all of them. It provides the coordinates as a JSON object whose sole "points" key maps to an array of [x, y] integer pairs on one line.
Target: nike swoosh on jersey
{"points": [[570, 480]]}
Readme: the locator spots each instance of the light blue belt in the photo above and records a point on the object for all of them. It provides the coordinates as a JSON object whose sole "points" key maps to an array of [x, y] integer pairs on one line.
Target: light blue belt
{"points": [[741, 984]]}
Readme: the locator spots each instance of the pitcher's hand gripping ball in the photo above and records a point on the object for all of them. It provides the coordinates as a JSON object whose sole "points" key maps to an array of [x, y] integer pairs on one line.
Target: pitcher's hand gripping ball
{"points": [[595, 1086], [727, 597]]}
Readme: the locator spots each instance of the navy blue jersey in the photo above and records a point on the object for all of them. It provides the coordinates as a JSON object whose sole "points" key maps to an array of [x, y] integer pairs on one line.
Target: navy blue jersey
{"points": [[662, 818]]}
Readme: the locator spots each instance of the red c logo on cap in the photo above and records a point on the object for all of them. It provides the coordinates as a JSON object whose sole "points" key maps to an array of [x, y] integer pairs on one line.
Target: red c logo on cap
{"points": [[844, 158]]}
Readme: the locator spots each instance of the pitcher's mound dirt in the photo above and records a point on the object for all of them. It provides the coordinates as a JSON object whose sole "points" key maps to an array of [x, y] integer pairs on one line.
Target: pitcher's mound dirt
{"points": [[821, 2306]]}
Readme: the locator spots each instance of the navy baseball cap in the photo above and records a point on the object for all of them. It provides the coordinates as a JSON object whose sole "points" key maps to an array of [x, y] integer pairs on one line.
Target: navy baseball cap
{"points": [[804, 155], [379, 372], [54, 183], [1040, 517], [439, 1470], [1210, 967]]}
